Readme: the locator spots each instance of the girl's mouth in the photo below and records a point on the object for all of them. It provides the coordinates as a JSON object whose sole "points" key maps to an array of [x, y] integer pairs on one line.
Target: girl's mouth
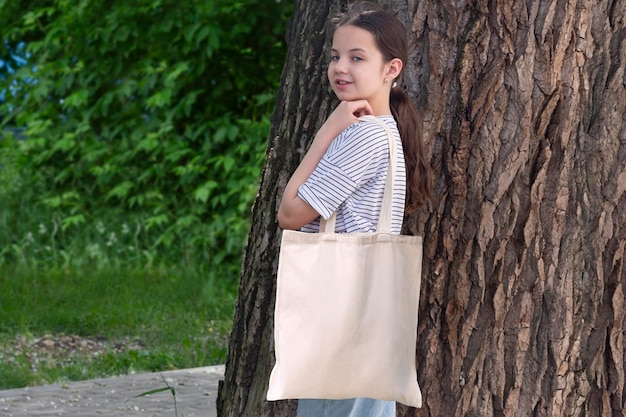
{"points": [[341, 84]]}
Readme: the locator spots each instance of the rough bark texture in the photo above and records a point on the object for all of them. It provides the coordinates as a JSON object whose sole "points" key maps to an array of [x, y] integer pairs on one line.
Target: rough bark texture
{"points": [[523, 305]]}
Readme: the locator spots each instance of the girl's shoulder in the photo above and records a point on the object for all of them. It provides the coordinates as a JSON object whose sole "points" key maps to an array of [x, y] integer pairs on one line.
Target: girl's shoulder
{"points": [[368, 132], [361, 137]]}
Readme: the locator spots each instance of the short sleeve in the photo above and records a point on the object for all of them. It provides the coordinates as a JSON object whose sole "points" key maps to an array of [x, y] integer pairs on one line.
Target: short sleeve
{"points": [[355, 157]]}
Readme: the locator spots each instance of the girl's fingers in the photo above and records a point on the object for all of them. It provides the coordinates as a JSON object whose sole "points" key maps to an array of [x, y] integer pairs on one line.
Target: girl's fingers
{"points": [[361, 108], [346, 114]]}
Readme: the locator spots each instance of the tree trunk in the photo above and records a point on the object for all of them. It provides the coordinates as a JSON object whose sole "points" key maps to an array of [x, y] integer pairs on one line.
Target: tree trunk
{"points": [[522, 308], [303, 103]]}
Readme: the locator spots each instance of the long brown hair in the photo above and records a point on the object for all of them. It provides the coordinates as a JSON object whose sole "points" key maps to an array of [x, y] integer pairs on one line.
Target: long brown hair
{"points": [[391, 38]]}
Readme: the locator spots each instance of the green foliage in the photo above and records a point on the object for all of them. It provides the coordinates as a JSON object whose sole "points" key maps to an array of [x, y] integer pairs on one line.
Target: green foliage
{"points": [[10, 179], [153, 112]]}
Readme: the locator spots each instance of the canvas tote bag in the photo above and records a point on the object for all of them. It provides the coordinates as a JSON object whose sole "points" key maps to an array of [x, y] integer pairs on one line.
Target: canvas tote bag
{"points": [[345, 320]]}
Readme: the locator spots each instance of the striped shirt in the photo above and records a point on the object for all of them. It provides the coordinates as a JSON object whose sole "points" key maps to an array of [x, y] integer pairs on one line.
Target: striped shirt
{"points": [[350, 178]]}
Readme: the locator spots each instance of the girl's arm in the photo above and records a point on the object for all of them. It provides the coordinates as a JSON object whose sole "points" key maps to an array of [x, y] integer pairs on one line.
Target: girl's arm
{"points": [[294, 212]]}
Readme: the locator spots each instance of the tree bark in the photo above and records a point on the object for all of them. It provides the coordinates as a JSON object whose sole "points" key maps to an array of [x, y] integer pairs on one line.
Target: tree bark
{"points": [[522, 308]]}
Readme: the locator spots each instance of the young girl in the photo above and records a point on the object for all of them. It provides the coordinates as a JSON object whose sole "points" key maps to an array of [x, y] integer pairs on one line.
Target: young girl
{"points": [[345, 168]]}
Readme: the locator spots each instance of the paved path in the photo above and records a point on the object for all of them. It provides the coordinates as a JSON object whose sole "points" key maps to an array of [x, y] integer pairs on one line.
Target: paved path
{"points": [[196, 390]]}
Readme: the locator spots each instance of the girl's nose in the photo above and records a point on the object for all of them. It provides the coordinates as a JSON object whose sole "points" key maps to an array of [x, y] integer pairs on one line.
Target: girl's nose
{"points": [[340, 65]]}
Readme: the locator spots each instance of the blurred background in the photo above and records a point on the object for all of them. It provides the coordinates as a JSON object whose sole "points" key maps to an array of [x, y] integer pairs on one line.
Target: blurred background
{"points": [[132, 137]]}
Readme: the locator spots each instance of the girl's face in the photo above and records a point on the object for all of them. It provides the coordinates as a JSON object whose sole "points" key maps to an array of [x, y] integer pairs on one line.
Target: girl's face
{"points": [[357, 70]]}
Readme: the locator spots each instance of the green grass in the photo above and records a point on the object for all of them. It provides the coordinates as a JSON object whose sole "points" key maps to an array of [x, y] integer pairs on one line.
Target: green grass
{"points": [[179, 316], [106, 276]]}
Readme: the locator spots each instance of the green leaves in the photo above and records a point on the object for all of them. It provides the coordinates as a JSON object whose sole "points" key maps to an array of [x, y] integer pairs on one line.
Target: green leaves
{"points": [[159, 109]]}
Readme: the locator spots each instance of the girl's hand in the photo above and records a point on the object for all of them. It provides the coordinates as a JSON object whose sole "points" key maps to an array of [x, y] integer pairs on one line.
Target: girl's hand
{"points": [[346, 113], [357, 108]]}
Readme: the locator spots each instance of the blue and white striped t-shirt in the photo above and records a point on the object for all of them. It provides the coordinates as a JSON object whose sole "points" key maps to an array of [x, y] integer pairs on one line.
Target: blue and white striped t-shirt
{"points": [[351, 178]]}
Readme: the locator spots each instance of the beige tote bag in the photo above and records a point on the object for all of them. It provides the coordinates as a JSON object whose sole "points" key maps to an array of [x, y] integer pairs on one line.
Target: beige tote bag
{"points": [[345, 322]]}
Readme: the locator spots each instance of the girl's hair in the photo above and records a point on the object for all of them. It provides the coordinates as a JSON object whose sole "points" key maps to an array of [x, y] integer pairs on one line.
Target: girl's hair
{"points": [[391, 38]]}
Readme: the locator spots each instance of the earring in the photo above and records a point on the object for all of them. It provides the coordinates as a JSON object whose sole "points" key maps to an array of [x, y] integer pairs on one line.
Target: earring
{"points": [[386, 80]]}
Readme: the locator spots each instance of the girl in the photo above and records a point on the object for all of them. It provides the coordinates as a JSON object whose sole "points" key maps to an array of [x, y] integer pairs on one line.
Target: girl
{"points": [[345, 168]]}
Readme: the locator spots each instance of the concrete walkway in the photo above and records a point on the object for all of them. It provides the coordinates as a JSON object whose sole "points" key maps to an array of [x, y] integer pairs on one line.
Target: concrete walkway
{"points": [[196, 391]]}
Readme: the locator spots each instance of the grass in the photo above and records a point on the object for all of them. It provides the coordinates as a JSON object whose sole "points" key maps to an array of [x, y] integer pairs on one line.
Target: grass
{"points": [[103, 276], [178, 316]]}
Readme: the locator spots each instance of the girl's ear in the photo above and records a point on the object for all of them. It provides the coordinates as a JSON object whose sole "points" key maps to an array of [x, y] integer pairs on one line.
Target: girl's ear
{"points": [[394, 68]]}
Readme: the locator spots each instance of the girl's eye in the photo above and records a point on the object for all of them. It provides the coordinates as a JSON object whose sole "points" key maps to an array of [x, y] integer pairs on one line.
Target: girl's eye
{"points": [[357, 58], [334, 58]]}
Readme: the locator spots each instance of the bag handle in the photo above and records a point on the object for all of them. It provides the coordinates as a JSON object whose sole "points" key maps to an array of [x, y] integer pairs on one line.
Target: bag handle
{"points": [[384, 218]]}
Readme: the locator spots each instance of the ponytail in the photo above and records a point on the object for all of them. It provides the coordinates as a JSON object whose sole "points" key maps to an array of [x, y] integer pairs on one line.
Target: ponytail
{"points": [[419, 176]]}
